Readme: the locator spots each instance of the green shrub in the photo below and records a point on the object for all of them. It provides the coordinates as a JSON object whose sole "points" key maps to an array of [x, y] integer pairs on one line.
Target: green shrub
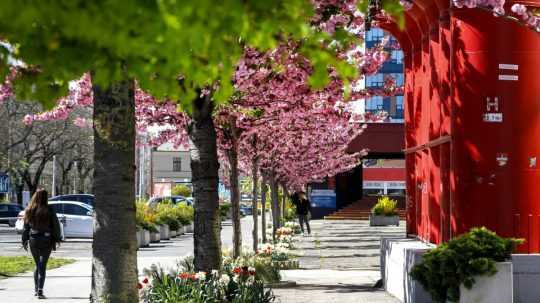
{"points": [[385, 207], [224, 209], [184, 213], [145, 217], [181, 190], [166, 214], [446, 267]]}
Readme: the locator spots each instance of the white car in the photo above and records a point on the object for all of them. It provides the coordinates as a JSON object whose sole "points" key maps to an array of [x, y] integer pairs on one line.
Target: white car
{"points": [[76, 219]]}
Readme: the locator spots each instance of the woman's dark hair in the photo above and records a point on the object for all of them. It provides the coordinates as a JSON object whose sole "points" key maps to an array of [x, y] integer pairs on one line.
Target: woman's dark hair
{"points": [[37, 212]]}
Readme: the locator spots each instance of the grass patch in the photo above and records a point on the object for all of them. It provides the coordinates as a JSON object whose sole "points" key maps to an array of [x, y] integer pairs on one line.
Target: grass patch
{"points": [[10, 266]]}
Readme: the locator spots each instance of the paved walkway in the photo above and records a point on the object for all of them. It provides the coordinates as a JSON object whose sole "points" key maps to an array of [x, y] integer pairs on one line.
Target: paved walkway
{"points": [[339, 263]]}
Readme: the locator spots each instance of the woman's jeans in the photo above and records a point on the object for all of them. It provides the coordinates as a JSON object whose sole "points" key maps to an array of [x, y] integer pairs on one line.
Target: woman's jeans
{"points": [[304, 219], [40, 246]]}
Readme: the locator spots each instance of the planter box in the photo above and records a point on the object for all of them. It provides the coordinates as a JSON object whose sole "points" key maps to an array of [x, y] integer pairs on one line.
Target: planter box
{"points": [[526, 268], [164, 232], [144, 238], [398, 256], [180, 231], [138, 235], [172, 233], [188, 228], [154, 237], [383, 220], [491, 289]]}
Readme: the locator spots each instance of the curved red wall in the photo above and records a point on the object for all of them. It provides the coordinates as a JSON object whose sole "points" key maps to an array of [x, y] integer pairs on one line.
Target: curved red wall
{"points": [[457, 63]]}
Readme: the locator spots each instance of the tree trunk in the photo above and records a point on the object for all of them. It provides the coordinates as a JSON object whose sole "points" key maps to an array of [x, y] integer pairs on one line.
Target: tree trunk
{"points": [[264, 191], [284, 201], [235, 201], [114, 261], [204, 169], [254, 208], [275, 206]]}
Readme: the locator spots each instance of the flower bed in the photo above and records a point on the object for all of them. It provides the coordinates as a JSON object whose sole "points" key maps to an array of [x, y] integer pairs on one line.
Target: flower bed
{"points": [[232, 284]]}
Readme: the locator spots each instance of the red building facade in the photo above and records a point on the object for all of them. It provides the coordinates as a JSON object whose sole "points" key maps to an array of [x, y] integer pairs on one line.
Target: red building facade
{"points": [[472, 123]]}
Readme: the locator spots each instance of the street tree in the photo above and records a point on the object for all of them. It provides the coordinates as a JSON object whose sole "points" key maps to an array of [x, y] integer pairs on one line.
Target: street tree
{"points": [[67, 39]]}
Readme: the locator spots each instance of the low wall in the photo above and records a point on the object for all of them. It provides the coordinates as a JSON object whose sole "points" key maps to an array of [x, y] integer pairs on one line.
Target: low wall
{"points": [[526, 269], [398, 256]]}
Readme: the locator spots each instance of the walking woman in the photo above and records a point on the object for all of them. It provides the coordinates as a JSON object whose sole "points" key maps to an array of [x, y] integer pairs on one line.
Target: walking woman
{"points": [[42, 233], [303, 208]]}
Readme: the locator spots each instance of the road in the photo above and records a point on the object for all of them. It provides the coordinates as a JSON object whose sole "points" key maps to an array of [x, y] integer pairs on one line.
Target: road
{"points": [[10, 243]]}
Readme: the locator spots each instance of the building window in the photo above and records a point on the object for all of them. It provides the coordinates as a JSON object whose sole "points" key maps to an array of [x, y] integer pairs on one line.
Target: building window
{"points": [[399, 108], [376, 80], [177, 164], [374, 104], [375, 34], [398, 77], [397, 56]]}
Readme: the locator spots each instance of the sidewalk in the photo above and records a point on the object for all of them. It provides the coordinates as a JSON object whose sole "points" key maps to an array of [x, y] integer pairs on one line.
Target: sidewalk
{"points": [[71, 283], [339, 263]]}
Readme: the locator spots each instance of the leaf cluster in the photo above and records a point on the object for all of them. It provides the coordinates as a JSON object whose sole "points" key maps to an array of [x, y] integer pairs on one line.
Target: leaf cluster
{"points": [[385, 207], [153, 41], [181, 190], [457, 262]]}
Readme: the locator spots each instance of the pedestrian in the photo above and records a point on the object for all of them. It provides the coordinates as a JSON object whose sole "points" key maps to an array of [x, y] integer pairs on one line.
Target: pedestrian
{"points": [[42, 233], [303, 210]]}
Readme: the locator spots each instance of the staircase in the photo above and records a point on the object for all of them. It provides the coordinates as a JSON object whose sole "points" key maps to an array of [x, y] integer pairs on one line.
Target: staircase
{"points": [[360, 210]]}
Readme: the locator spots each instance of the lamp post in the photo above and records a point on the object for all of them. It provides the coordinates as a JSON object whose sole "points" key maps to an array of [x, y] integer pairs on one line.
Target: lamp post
{"points": [[53, 189], [75, 177]]}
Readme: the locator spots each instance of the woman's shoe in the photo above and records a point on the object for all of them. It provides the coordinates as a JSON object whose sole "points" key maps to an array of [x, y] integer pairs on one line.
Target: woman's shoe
{"points": [[40, 295]]}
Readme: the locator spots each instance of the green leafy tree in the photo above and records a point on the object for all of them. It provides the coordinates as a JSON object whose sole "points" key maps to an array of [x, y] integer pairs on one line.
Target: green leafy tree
{"points": [[181, 190], [153, 41]]}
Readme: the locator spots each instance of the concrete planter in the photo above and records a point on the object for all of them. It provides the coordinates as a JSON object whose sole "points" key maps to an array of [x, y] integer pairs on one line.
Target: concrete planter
{"points": [[180, 231], [188, 228], [526, 268], [144, 238], [398, 256], [491, 289], [154, 237], [164, 232], [138, 235], [383, 220], [172, 233]]}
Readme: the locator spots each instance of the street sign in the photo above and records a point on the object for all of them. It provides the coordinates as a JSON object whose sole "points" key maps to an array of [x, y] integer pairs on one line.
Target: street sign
{"points": [[4, 183]]}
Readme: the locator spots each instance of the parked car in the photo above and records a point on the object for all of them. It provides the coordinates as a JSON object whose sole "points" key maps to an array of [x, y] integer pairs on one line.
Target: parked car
{"points": [[76, 218], [174, 199], [84, 198], [9, 213], [245, 210]]}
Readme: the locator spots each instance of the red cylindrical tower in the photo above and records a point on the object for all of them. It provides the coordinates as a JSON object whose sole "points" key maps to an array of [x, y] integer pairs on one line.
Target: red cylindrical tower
{"points": [[496, 124]]}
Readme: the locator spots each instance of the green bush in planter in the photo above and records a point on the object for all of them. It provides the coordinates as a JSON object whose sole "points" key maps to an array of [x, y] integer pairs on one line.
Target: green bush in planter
{"points": [[385, 207], [145, 217], [446, 267], [181, 190], [183, 213], [166, 214]]}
